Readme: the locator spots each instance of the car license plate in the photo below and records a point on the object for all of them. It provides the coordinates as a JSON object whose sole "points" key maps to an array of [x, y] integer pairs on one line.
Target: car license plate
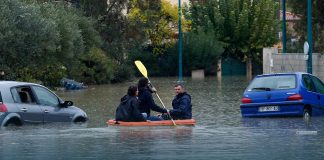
{"points": [[268, 108]]}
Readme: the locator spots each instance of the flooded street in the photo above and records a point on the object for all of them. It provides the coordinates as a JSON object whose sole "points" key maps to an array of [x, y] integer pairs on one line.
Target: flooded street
{"points": [[220, 132]]}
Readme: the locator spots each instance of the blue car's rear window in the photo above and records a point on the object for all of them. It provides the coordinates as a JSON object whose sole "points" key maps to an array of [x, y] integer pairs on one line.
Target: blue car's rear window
{"points": [[273, 83]]}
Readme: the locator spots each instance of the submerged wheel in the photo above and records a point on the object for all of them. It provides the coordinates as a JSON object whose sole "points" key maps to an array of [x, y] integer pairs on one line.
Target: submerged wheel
{"points": [[13, 122], [80, 120], [306, 114]]}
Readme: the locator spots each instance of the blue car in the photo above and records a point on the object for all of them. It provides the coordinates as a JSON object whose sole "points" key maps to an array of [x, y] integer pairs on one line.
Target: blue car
{"points": [[284, 94]]}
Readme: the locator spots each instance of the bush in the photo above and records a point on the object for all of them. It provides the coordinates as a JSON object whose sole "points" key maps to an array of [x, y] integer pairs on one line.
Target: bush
{"points": [[201, 51], [122, 73], [45, 42], [98, 67]]}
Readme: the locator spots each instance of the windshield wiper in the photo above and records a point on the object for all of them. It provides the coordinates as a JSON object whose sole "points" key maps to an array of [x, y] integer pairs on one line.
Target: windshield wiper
{"points": [[262, 88]]}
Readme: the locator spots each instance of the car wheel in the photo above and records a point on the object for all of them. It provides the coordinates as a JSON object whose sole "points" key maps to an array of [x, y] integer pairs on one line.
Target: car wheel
{"points": [[80, 120], [306, 114], [13, 122]]}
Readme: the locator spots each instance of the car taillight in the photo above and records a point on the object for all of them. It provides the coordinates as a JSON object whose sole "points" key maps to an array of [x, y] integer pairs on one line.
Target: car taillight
{"points": [[246, 100], [3, 107], [295, 97]]}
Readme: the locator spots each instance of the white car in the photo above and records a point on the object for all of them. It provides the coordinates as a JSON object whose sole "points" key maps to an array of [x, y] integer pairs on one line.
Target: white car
{"points": [[22, 102]]}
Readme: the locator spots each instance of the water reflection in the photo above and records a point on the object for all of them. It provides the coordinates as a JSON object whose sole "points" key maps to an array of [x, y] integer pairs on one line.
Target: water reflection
{"points": [[154, 133]]}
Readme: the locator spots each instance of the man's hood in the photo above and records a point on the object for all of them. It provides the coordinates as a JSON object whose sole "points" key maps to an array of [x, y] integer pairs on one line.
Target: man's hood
{"points": [[183, 94], [144, 89]]}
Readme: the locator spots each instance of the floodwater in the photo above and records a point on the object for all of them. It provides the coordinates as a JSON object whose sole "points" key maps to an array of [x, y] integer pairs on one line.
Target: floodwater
{"points": [[220, 133]]}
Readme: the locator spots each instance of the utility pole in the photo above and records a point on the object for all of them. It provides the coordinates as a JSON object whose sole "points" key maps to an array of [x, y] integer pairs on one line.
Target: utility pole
{"points": [[180, 43], [284, 50], [309, 36]]}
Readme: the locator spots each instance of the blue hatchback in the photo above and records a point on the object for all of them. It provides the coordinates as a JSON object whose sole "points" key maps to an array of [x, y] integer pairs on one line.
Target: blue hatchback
{"points": [[284, 94]]}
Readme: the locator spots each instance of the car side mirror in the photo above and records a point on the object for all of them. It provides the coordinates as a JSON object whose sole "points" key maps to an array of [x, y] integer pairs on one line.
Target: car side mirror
{"points": [[67, 104]]}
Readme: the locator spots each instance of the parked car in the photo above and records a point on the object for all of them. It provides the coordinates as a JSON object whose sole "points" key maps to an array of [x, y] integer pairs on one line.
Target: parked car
{"points": [[22, 103], [285, 94]]}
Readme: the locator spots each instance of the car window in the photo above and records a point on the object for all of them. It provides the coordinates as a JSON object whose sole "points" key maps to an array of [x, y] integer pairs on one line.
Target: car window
{"points": [[15, 95], [318, 85], [308, 83], [0, 98], [45, 97], [273, 82], [23, 94]]}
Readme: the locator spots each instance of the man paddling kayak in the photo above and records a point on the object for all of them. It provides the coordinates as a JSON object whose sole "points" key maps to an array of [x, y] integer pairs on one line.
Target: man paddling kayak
{"points": [[146, 102], [181, 104]]}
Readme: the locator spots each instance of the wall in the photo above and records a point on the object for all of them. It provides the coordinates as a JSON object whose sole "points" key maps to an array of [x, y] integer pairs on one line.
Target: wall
{"points": [[291, 62]]}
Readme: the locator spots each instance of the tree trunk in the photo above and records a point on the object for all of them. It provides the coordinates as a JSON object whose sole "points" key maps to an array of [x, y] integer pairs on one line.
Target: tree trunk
{"points": [[249, 68], [219, 69]]}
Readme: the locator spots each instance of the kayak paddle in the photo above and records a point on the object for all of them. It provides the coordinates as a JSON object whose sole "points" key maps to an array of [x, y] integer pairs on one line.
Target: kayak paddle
{"points": [[140, 66]]}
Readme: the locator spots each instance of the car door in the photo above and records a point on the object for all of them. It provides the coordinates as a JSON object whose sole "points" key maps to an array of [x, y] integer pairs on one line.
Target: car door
{"points": [[26, 104], [319, 90], [50, 104], [310, 95]]}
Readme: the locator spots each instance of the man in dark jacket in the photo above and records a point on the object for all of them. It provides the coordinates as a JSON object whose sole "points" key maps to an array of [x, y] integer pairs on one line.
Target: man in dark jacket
{"points": [[128, 108], [146, 102], [181, 104]]}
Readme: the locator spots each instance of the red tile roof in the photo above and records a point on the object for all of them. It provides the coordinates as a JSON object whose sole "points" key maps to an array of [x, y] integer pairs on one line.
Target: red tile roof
{"points": [[290, 16]]}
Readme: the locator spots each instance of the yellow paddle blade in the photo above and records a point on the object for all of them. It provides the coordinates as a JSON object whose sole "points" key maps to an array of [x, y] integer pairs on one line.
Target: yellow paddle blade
{"points": [[141, 68]]}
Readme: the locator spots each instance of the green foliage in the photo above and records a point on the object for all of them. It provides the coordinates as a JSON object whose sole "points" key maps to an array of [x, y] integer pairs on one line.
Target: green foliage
{"points": [[299, 8], [158, 20], [122, 73], [154, 63], [201, 46], [240, 24], [98, 67], [244, 26], [28, 40], [147, 28], [94, 8], [26, 35], [114, 30], [50, 75], [45, 42], [202, 50]]}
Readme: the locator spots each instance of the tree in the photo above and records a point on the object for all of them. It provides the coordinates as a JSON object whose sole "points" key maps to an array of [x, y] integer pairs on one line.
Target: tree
{"points": [[240, 24], [93, 8], [28, 40], [113, 29], [136, 26], [202, 50], [77, 40], [44, 42], [300, 8], [157, 21]]}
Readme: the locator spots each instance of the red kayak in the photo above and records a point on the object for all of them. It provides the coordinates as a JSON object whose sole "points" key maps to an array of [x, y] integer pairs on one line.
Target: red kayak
{"points": [[152, 123]]}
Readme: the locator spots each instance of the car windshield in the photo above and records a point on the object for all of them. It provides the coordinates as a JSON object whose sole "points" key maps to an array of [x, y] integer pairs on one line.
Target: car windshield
{"points": [[268, 83]]}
